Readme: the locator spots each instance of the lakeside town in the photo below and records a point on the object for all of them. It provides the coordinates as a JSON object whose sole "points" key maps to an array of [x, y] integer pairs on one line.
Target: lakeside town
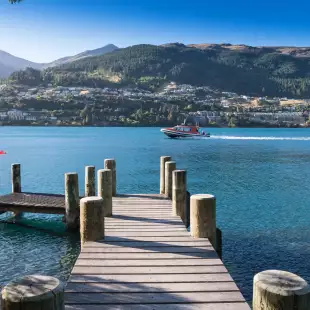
{"points": [[84, 106]]}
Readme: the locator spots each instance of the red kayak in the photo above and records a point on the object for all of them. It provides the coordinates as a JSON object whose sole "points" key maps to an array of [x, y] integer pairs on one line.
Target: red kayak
{"points": [[2, 152]]}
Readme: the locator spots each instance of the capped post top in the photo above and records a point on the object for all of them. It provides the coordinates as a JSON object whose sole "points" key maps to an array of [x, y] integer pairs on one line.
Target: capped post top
{"points": [[202, 197], [31, 287], [281, 282], [91, 199], [104, 170]]}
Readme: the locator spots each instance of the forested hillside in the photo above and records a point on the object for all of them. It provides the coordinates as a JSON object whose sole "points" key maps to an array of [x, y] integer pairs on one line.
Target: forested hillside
{"points": [[251, 70]]}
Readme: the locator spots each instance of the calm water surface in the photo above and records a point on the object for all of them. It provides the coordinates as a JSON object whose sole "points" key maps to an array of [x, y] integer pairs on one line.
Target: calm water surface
{"points": [[259, 176]]}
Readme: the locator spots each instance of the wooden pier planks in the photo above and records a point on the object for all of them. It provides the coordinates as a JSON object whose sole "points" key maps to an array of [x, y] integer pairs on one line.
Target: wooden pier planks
{"points": [[148, 260], [33, 203]]}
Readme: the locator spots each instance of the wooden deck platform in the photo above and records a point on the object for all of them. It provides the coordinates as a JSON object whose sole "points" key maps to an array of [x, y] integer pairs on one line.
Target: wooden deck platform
{"points": [[33, 203], [148, 260]]}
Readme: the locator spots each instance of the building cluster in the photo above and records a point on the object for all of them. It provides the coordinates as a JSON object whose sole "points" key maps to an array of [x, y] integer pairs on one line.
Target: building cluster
{"points": [[173, 103]]}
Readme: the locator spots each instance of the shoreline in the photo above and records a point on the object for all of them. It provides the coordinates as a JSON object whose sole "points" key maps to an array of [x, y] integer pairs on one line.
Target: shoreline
{"points": [[150, 126]]}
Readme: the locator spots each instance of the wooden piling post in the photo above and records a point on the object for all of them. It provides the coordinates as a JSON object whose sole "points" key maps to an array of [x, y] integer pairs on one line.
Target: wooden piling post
{"points": [[91, 219], [179, 193], [72, 200], [111, 164], [280, 290], [203, 217], [16, 178], [90, 186], [163, 160], [34, 292], [169, 167], [105, 189]]}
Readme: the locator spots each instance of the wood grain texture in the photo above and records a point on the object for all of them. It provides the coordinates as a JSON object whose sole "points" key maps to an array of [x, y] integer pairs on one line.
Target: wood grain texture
{"points": [[280, 290], [33, 292]]}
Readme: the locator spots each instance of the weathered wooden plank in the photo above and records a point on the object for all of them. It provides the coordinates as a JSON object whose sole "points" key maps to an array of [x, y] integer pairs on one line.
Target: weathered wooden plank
{"points": [[151, 287], [185, 306], [139, 225], [154, 255], [146, 244], [167, 249], [145, 221], [155, 239], [137, 298], [148, 234], [145, 278], [177, 229], [138, 216], [145, 262], [148, 270]]}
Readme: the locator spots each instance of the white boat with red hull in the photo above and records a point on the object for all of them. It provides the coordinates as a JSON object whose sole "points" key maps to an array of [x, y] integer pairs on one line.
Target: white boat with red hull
{"points": [[183, 131]]}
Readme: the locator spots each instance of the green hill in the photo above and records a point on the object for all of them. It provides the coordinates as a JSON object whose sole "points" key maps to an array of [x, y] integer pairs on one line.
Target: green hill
{"points": [[246, 70]]}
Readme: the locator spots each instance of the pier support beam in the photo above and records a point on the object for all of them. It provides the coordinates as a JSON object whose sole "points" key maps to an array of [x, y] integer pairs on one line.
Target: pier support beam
{"points": [[33, 292], [72, 200], [179, 193], [203, 217], [90, 185], [280, 290], [169, 167], [91, 219], [111, 164], [16, 178], [105, 189], [163, 160]]}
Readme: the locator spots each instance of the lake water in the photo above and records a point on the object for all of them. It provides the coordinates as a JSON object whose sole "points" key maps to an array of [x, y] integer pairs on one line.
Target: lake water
{"points": [[260, 178]]}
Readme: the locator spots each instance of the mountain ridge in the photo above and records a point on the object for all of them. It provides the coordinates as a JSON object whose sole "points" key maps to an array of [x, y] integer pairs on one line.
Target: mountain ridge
{"points": [[258, 71], [10, 63]]}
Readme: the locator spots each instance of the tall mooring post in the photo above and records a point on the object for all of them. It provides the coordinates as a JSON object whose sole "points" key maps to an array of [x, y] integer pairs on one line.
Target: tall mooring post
{"points": [[111, 164], [91, 219], [33, 292], [90, 184], [203, 217], [72, 200], [169, 167], [16, 178], [163, 160], [179, 193], [105, 189], [280, 290]]}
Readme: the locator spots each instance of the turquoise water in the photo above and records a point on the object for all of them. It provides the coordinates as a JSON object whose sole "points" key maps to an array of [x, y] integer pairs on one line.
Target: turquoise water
{"points": [[259, 176]]}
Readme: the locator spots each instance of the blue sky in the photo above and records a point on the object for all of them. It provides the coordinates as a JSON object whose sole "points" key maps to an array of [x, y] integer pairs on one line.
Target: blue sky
{"points": [[44, 30]]}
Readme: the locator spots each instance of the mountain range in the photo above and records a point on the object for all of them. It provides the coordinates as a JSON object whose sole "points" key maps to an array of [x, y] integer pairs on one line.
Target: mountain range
{"points": [[262, 71], [10, 63]]}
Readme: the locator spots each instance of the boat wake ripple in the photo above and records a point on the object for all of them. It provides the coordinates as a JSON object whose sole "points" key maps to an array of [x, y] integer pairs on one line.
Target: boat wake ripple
{"points": [[258, 138]]}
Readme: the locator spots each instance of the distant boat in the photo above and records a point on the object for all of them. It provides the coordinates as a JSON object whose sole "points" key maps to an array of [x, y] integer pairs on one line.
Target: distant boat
{"points": [[2, 152], [183, 131]]}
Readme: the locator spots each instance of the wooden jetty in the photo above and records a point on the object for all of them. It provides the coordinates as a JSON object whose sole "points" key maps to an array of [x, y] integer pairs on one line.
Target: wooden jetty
{"points": [[148, 260], [137, 253]]}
